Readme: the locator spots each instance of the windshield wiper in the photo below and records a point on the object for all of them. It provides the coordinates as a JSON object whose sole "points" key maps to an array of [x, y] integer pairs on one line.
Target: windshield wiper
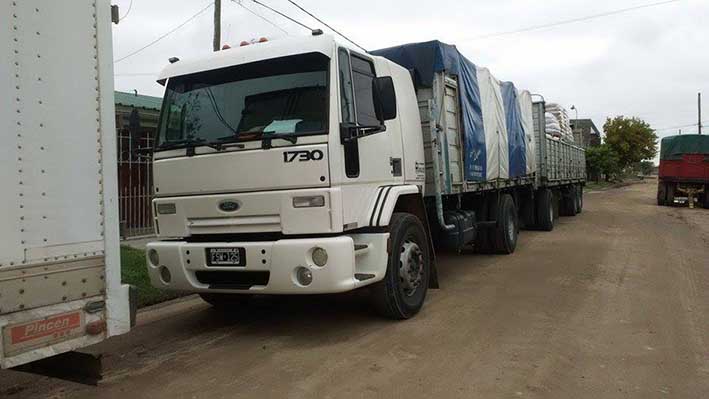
{"points": [[189, 144]]}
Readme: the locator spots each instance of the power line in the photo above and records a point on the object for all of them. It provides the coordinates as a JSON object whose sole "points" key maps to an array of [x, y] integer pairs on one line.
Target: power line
{"points": [[190, 19], [680, 126], [283, 15], [324, 23], [130, 7], [572, 20], [239, 3]]}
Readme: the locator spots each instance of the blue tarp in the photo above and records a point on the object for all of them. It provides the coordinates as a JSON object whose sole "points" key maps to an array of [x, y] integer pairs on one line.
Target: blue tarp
{"points": [[426, 59], [515, 130]]}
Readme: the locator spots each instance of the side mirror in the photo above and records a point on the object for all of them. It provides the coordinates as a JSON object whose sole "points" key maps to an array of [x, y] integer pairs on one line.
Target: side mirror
{"points": [[384, 98]]}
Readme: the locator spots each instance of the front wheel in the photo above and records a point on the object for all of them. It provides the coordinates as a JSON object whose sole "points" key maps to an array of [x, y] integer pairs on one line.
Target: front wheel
{"points": [[403, 291]]}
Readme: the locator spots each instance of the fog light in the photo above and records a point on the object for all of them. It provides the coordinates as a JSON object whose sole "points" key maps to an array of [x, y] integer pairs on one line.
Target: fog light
{"points": [[153, 257], [304, 276], [316, 201], [165, 275], [320, 257]]}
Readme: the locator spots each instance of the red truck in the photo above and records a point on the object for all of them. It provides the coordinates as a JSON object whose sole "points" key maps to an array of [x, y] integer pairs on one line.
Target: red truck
{"points": [[684, 170]]}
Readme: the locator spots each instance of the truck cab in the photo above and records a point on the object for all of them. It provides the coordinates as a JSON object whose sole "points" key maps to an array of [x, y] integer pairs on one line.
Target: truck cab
{"points": [[292, 166]]}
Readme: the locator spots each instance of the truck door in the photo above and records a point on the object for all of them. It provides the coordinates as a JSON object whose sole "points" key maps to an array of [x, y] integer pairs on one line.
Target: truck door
{"points": [[368, 161]]}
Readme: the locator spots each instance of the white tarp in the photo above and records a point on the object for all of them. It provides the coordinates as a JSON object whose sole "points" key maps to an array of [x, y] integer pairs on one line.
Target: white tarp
{"points": [[495, 125], [525, 104]]}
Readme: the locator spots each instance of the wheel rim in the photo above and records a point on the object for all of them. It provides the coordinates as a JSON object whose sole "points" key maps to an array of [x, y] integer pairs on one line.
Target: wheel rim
{"points": [[410, 268]]}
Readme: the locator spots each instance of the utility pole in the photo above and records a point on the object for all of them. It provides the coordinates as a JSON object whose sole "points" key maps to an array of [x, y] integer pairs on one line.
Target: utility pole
{"points": [[699, 108], [216, 44]]}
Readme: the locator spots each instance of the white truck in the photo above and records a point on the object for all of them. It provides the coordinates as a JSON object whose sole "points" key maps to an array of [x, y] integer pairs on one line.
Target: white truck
{"points": [[302, 166], [60, 282]]}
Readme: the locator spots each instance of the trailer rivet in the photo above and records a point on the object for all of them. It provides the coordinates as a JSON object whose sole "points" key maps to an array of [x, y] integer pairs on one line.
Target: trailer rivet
{"points": [[22, 291], [63, 283], [63, 298]]}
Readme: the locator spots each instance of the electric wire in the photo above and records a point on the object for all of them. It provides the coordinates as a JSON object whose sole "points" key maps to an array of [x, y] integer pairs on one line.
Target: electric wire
{"points": [[283, 15], [190, 19], [239, 3], [130, 7], [570, 21], [326, 24]]}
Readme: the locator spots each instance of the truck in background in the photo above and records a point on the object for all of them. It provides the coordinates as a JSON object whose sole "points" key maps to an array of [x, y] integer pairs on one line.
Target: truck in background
{"points": [[60, 281], [684, 170], [302, 166]]}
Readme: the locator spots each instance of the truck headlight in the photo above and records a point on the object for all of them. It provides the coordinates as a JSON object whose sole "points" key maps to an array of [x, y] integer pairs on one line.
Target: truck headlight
{"points": [[166, 209], [313, 201]]}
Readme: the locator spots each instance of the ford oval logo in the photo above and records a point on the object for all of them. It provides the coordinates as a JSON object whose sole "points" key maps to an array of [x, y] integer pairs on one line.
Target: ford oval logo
{"points": [[229, 206]]}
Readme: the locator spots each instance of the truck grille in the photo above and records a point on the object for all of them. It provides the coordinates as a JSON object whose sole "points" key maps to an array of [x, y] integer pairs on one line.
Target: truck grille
{"points": [[231, 280]]}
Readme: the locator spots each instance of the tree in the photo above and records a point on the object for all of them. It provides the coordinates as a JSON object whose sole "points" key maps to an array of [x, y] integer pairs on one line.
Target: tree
{"points": [[632, 139], [602, 160]]}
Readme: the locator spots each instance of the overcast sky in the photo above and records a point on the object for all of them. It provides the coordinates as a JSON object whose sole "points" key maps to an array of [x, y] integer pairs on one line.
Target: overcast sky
{"points": [[648, 63]]}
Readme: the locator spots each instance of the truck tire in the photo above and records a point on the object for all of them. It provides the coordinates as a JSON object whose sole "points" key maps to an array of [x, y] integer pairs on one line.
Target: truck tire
{"points": [[568, 202], [482, 243], [670, 194], [505, 234], [661, 194], [402, 292], [579, 192], [226, 301], [545, 210], [706, 197]]}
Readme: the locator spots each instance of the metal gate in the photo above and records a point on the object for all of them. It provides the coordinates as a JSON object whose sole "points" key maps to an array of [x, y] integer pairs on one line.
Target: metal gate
{"points": [[135, 182]]}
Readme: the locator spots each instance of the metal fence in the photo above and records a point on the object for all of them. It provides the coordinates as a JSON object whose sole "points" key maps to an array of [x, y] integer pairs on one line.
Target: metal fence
{"points": [[135, 183]]}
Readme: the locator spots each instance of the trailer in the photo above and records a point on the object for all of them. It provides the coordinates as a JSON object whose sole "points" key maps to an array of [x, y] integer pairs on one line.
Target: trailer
{"points": [[684, 170], [304, 166], [60, 282]]}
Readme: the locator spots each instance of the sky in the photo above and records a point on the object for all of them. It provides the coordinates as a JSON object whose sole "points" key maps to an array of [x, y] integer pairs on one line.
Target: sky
{"points": [[648, 63]]}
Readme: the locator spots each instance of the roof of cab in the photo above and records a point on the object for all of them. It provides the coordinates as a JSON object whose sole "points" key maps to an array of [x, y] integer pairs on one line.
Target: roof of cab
{"points": [[283, 47]]}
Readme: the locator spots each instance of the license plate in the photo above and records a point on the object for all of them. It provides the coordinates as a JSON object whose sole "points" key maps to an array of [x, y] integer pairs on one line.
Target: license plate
{"points": [[226, 257], [26, 336]]}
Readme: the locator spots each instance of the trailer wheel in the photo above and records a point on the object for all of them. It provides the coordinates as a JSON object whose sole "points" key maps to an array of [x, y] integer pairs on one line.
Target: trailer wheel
{"points": [[226, 301], [706, 196], [660, 194], [403, 291], [507, 230], [669, 194], [482, 236], [579, 192], [568, 202], [545, 210]]}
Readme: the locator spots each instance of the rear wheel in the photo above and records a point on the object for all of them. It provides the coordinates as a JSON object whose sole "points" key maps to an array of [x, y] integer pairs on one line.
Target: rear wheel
{"points": [[403, 291], [505, 234], [545, 210], [226, 301], [568, 202], [661, 194], [669, 194], [482, 236], [579, 192]]}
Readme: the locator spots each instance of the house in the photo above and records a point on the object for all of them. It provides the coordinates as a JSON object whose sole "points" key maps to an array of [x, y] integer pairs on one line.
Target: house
{"points": [[586, 134]]}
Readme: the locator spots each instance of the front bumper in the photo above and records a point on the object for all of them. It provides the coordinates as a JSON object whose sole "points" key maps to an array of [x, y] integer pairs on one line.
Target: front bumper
{"points": [[270, 266]]}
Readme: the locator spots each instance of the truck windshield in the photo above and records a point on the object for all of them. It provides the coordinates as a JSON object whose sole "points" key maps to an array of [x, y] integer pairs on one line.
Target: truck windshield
{"points": [[282, 97]]}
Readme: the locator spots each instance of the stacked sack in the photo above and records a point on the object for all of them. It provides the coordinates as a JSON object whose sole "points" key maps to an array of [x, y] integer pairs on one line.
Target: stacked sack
{"points": [[553, 128], [562, 128]]}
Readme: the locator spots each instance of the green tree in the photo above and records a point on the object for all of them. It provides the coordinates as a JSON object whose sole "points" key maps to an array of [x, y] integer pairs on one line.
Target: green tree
{"points": [[632, 139], [602, 160]]}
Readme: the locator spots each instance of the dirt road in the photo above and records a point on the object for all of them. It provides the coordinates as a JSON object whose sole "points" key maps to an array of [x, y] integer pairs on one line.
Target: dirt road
{"points": [[614, 303]]}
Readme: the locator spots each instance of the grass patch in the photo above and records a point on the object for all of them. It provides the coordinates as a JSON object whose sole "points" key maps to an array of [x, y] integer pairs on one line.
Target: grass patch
{"points": [[601, 185], [134, 271]]}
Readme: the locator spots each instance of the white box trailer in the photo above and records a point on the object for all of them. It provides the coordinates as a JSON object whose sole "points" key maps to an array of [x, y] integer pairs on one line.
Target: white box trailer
{"points": [[60, 283]]}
